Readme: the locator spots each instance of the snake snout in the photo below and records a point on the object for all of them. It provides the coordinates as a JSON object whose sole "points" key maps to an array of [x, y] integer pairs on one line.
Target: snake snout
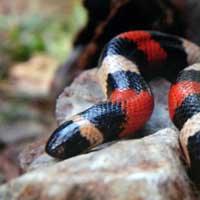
{"points": [[66, 141]]}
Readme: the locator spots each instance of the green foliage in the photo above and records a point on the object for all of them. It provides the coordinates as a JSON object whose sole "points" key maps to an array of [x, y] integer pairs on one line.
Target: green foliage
{"points": [[22, 36]]}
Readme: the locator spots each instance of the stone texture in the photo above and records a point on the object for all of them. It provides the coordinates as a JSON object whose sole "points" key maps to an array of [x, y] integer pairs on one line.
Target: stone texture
{"points": [[148, 168], [145, 168], [32, 154], [34, 77], [81, 94]]}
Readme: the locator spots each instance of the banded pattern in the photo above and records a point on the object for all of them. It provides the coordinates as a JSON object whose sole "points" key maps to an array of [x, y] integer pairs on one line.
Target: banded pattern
{"points": [[184, 109], [126, 62]]}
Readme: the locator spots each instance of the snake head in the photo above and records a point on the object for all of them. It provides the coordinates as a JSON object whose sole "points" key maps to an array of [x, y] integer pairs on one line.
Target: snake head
{"points": [[66, 141]]}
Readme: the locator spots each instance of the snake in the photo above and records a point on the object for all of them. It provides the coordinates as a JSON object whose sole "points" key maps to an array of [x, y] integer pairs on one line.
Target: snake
{"points": [[127, 63]]}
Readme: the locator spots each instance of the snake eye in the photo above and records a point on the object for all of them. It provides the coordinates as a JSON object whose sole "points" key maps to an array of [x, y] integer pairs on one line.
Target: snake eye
{"points": [[57, 151], [66, 141]]}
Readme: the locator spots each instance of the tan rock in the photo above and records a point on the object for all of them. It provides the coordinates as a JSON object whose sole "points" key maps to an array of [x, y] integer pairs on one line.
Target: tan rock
{"points": [[148, 168], [33, 78], [81, 94]]}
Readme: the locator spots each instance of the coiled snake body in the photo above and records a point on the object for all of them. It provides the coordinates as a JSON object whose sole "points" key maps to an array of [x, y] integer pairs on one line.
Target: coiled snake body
{"points": [[126, 62]]}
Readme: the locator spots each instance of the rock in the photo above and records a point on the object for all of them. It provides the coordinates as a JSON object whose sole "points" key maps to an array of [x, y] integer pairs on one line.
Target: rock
{"points": [[9, 168], [149, 168], [33, 156], [34, 77], [81, 94], [22, 121], [21, 131]]}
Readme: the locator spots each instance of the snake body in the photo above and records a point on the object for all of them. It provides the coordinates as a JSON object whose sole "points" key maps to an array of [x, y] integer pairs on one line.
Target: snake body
{"points": [[126, 62]]}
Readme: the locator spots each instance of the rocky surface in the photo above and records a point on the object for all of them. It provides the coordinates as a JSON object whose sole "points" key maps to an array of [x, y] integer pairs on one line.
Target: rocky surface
{"points": [[83, 92], [151, 167], [34, 77], [148, 168]]}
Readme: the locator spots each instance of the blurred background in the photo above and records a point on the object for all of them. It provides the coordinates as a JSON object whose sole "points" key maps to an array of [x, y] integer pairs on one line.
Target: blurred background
{"points": [[35, 37]]}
